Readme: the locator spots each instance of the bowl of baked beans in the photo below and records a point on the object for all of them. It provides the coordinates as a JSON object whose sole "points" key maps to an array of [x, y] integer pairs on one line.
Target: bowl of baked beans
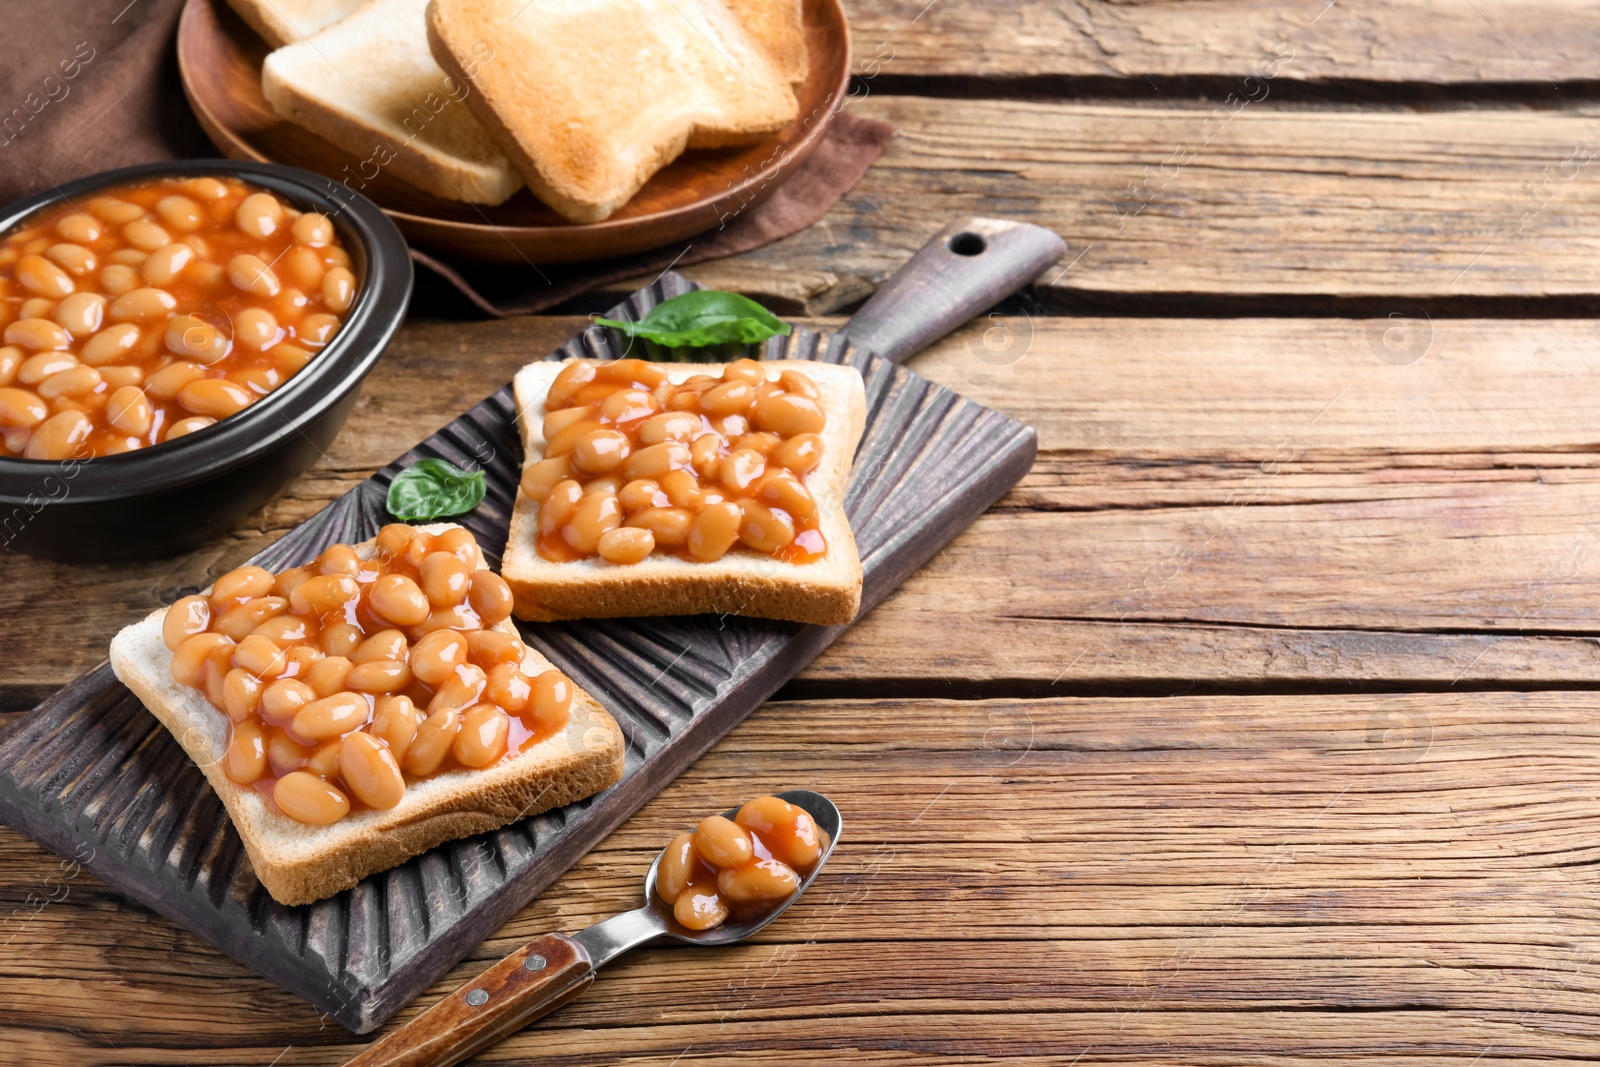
{"points": [[178, 343]]}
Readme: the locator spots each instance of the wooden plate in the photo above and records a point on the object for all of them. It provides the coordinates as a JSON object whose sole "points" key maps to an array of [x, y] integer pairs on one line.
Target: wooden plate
{"points": [[219, 59], [93, 775]]}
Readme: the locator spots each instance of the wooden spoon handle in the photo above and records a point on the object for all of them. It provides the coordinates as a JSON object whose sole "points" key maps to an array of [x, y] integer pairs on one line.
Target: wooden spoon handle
{"points": [[967, 268], [533, 981]]}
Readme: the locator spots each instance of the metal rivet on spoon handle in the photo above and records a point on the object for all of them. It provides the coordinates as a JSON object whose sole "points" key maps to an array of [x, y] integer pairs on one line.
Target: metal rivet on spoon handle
{"points": [[967, 268], [549, 971]]}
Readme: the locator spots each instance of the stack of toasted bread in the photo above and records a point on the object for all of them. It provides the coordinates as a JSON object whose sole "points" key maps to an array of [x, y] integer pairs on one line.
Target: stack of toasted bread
{"points": [[471, 99]]}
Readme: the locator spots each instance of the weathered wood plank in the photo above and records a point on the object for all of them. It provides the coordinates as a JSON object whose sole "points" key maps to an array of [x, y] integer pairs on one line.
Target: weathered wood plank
{"points": [[1202, 879], [1423, 525], [1214, 201], [1384, 41]]}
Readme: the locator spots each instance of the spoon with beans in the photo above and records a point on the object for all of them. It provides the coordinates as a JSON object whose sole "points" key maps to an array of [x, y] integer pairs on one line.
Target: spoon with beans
{"points": [[720, 883]]}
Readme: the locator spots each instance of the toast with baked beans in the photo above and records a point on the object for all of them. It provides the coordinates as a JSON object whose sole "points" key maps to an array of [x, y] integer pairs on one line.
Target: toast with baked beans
{"points": [[686, 488], [370, 705]]}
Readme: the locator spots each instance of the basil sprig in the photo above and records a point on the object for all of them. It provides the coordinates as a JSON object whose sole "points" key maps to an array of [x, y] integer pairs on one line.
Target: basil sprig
{"points": [[433, 489], [702, 318]]}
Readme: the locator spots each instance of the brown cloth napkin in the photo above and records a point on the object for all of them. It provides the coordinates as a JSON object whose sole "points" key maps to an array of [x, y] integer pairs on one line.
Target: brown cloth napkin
{"points": [[88, 85]]}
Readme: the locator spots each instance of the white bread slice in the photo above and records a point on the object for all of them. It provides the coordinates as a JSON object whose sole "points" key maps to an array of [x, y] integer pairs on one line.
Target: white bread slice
{"points": [[590, 99], [369, 85], [299, 864], [281, 22], [826, 591], [778, 26]]}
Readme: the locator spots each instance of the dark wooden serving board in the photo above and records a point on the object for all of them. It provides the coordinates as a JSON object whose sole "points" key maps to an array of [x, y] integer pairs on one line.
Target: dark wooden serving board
{"points": [[91, 774]]}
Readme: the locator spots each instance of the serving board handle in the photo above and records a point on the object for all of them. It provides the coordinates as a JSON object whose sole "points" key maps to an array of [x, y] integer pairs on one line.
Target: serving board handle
{"points": [[533, 981], [968, 267]]}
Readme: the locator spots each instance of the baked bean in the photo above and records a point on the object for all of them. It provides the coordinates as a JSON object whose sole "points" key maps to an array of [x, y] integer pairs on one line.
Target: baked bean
{"points": [[129, 257], [558, 506], [739, 469], [78, 228], [640, 495], [655, 461], [145, 235], [800, 384], [599, 451], [168, 382], [341, 638], [37, 307], [76, 260], [192, 656], [705, 454], [789, 415], [433, 742], [330, 716], [116, 376], [242, 620], [394, 722], [626, 405], [557, 421], [683, 489], [109, 345], [290, 305], [459, 540], [259, 215], [141, 305], [594, 515], [567, 382], [185, 618], [700, 908], [111, 209], [185, 427], [482, 737], [60, 436], [206, 188], [42, 277], [251, 274], [508, 688], [789, 832], [306, 798], [11, 358], [284, 754], [677, 426], [327, 676], [195, 339], [758, 881], [763, 529], [398, 600], [437, 655], [324, 594], [119, 278], [678, 867], [668, 527], [780, 490], [383, 645], [445, 579], [180, 213], [727, 398], [80, 314], [393, 538], [19, 407], [722, 842], [338, 289], [551, 701], [245, 761], [282, 700], [214, 397], [635, 372], [241, 694], [714, 531], [37, 335], [626, 545], [313, 229], [37, 368], [460, 617], [259, 380], [163, 266], [799, 454], [764, 443], [261, 656], [74, 381], [462, 689], [301, 267], [317, 330], [299, 659], [369, 768], [256, 329], [339, 559], [749, 371], [378, 676]]}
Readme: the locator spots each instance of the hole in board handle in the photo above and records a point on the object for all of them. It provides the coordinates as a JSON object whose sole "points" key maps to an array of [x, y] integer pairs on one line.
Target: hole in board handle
{"points": [[967, 243]]}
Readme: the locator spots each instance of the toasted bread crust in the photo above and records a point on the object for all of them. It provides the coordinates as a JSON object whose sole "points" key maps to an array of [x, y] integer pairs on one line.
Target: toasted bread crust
{"points": [[826, 592], [299, 864]]}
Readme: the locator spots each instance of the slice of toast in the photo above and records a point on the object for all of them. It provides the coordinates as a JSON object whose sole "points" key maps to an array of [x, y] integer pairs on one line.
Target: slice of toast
{"points": [[826, 591], [369, 85], [779, 27], [298, 863], [281, 22], [590, 100]]}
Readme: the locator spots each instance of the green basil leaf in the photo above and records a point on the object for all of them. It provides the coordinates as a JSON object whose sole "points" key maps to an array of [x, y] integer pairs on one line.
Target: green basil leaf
{"points": [[704, 317], [433, 489]]}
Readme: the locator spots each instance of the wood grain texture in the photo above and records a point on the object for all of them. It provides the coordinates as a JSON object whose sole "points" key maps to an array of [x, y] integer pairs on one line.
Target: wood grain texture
{"points": [[1439, 512], [1215, 200], [1423, 42], [1202, 880]]}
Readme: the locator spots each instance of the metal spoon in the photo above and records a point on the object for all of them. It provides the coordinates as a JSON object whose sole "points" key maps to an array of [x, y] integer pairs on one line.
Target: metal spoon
{"points": [[553, 969]]}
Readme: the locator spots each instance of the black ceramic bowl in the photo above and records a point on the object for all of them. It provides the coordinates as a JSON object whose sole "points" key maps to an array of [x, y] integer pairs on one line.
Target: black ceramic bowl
{"points": [[171, 497]]}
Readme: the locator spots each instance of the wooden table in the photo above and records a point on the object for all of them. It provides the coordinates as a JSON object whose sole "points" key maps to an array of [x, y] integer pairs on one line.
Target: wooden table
{"points": [[1256, 725]]}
